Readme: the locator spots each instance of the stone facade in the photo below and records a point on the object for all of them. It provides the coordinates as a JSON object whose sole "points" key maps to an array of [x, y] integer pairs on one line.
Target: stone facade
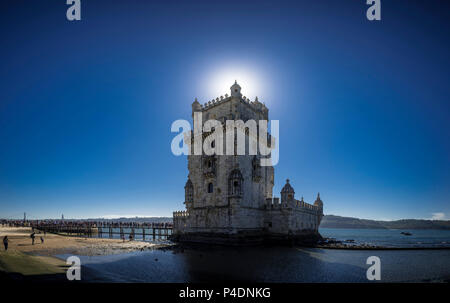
{"points": [[229, 198]]}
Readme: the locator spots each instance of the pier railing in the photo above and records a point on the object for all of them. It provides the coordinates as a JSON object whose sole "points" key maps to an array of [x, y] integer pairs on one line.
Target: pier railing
{"points": [[128, 231]]}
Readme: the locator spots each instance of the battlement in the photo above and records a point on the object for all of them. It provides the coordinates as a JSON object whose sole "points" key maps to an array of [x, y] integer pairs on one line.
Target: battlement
{"points": [[235, 94], [177, 214], [255, 105], [303, 204], [214, 102], [274, 203]]}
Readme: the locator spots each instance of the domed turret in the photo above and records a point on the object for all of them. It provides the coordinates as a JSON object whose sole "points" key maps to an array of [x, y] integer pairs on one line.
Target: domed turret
{"points": [[287, 192], [236, 90], [318, 202], [196, 107]]}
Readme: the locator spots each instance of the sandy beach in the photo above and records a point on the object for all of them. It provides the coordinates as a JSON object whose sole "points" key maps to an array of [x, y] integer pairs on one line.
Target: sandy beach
{"points": [[23, 260]]}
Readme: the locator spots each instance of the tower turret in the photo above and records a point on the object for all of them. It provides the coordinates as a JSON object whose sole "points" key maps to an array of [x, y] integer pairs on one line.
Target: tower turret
{"points": [[196, 107], [236, 90], [287, 193], [318, 202]]}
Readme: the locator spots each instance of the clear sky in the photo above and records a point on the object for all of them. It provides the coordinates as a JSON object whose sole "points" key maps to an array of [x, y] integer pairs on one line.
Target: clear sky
{"points": [[86, 106]]}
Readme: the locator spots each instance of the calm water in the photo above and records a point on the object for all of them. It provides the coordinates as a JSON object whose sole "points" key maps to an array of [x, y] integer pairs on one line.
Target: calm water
{"points": [[266, 265], [391, 237], [280, 264], [380, 237]]}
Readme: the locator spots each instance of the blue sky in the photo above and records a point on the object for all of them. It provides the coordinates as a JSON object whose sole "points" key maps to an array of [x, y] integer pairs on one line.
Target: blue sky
{"points": [[86, 106]]}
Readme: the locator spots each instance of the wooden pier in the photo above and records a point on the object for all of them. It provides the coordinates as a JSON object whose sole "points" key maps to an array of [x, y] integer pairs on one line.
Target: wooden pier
{"points": [[125, 231]]}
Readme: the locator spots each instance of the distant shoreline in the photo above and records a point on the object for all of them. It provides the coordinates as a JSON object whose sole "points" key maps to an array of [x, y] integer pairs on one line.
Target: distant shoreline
{"points": [[332, 221], [359, 247], [328, 221]]}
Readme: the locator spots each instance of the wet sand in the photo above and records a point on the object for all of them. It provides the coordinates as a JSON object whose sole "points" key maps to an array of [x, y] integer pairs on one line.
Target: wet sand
{"points": [[19, 239], [22, 259]]}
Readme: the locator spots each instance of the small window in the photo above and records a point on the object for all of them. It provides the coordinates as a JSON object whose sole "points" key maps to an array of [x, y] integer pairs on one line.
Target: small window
{"points": [[210, 188], [209, 164], [213, 144], [236, 183]]}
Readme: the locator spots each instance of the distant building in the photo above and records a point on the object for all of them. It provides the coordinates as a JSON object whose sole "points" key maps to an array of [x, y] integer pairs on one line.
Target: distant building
{"points": [[229, 198]]}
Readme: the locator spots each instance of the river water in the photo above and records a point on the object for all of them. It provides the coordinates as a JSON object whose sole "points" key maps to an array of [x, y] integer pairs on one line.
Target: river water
{"points": [[391, 237], [281, 264]]}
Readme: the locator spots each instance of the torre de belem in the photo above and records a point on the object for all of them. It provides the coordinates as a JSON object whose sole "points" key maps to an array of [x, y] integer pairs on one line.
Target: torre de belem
{"points": [[229, 198]]}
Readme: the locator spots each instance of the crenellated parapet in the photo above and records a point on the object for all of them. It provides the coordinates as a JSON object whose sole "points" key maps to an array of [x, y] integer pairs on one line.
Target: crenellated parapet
{"points": [[254, 105], [303, 204], [273, 203], [215, 102], [178, 214]]}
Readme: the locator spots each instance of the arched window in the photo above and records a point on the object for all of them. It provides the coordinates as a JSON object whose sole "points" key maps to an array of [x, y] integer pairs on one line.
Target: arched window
{"points": [[235, 183], [189, 191], [210, 188], [256, 171]]}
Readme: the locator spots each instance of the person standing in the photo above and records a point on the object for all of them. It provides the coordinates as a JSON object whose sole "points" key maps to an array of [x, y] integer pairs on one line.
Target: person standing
{"points": [[5, 242], [32, 236]]}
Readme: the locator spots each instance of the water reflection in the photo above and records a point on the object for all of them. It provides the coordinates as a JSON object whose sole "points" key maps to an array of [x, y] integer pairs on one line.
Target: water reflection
{"points": [[262, 264]]}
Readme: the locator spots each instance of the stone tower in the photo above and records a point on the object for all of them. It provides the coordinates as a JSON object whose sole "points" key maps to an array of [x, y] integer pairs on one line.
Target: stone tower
{"points": [[229, 196]]}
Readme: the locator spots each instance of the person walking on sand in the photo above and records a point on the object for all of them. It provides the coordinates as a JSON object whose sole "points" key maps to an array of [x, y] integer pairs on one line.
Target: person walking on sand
{"points": [[32, 236], [5, 242], [42, 240]]}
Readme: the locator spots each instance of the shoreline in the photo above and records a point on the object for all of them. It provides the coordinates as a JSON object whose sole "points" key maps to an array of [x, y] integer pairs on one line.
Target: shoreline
{"points": [[25, 261], [39, 262], [360, 247]]}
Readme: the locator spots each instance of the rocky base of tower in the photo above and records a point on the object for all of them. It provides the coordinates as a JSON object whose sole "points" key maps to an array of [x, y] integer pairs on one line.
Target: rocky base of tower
{"points": [[244, 238]]}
